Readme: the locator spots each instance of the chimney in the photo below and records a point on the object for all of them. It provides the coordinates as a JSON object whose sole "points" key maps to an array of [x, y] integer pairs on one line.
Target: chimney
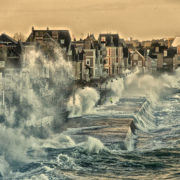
{"points": [[32, 28], [112, 43], [47, 28]]}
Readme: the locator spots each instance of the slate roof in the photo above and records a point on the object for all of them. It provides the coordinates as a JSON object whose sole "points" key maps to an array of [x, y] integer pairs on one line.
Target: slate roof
{"points": [[76, 56], [171, 52], [5, 39], [62, 34], [111, 39]]}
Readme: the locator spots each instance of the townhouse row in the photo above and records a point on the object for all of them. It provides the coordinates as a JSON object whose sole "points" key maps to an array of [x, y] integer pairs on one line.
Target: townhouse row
{"points": [[92, 58]]}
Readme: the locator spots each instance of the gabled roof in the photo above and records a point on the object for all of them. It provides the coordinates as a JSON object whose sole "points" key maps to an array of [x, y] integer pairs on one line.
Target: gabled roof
{"points": [[48, 37], [5, 39], [122, 42], [62, 34], [139, 54], [90, 37], [136, 51]]}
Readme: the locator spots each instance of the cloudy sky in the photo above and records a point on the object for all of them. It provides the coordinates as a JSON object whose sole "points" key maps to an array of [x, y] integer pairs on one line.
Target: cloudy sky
{"points": [[142, 19]]}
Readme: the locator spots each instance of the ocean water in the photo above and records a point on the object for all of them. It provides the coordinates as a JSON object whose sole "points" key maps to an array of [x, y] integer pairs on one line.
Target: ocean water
{"points": [[38, 143]]}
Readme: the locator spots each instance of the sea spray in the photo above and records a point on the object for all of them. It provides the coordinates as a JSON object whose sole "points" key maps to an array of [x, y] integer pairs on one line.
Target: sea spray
{"points": [[83, 102], [58, 141], [44, 85], [66, 162], [34, 94], [93, 145], [114, 90]]}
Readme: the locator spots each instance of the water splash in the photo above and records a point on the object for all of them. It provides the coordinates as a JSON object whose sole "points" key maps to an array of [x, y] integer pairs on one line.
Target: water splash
{"points": [[83, 102], [93, 145], [34, 106]]}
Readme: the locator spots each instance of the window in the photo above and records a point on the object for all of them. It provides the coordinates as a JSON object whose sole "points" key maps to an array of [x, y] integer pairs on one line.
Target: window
{"points": [[165, 53], [89, 53], [178, 58], [157, 49], [62, 41], [91, 62], [103, 39], [109, 51], [135, 56], [2, 64], [88, 62], [140, 63], [106, 70], [105, 61]]}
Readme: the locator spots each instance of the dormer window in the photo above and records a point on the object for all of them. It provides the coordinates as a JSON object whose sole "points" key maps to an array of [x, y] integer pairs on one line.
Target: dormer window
{"points": [[62, 41], [135, 56], [165, 53], [157, 49], [103, 39]]}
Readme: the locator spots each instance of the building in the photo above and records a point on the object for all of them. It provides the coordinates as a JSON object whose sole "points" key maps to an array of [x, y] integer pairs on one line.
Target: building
{"points": [[10, 52], [151, 64], [137, 60], [57, 37], [77, 60], [166, 61], [90, 64], [112, 47]]}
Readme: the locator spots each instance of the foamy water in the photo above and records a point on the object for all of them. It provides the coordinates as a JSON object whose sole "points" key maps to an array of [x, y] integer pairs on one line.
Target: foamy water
{"points": [[34, 145]]}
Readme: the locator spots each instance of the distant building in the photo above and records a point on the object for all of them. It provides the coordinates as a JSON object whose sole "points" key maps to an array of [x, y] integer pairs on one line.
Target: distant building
{"points": [[60, 37], [151, 64], [137, 60], [77, 59], [176, 59], [113, 53], [166, 60], [10, 52], [146, 44]]}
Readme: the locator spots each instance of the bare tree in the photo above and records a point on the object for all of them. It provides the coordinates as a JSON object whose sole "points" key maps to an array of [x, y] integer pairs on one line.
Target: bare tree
{"points": [[19, 37]]}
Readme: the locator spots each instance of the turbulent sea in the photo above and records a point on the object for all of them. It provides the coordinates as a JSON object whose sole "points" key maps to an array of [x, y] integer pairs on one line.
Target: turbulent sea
{"points": [[152, 150]]}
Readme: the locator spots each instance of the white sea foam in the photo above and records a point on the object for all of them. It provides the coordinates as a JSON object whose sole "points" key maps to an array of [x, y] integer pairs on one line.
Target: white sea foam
{"points": [[93, 145], [66, 162], [115, 87], [38, 177], [58, 141]]}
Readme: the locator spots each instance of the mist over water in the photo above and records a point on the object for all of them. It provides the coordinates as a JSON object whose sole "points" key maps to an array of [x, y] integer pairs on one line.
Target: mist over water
{"points": [[41, 98]]}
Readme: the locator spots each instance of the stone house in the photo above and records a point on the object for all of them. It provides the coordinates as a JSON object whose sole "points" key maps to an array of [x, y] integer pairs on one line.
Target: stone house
{"points": [[44, 38]]}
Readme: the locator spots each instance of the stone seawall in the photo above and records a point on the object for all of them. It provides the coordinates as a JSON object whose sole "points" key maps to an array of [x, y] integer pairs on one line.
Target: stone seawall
{"points": [[115, 127]]}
